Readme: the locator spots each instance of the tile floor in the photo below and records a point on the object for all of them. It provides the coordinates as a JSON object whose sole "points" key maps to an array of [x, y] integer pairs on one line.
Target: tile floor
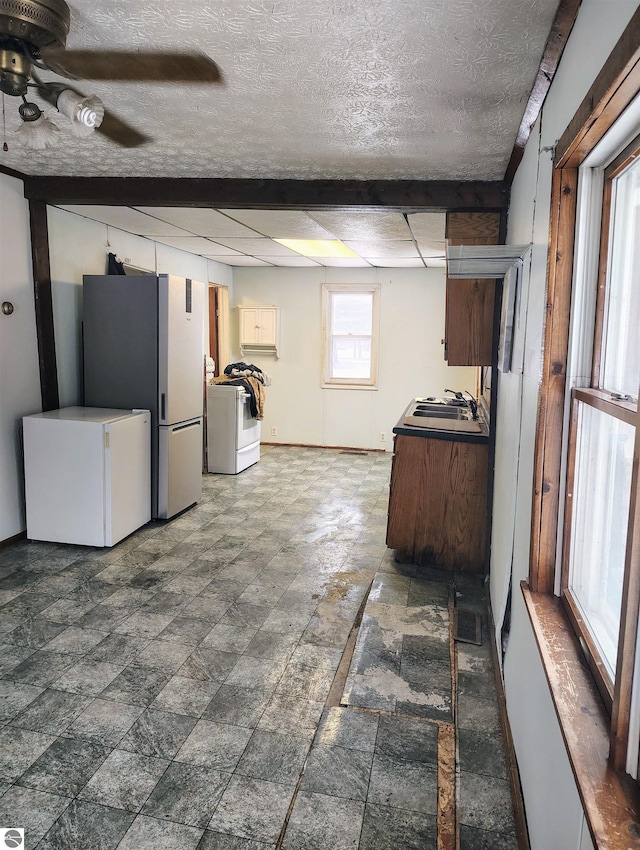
{"points": [[184, 690]]}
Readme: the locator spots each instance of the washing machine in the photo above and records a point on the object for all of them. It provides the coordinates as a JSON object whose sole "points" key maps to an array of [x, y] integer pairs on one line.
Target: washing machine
{"points": [[233, 434]]}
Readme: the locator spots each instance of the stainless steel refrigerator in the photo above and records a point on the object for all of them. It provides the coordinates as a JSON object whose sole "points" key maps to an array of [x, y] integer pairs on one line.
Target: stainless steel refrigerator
{"points": [[144, 348]]}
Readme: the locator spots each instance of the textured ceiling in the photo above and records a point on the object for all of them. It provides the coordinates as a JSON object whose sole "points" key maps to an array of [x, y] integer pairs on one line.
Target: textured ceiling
{"points": [[342, 89]]}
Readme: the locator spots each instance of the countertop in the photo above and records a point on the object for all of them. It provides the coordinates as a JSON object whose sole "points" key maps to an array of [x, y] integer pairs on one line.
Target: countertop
{"points": [[437, 434]]}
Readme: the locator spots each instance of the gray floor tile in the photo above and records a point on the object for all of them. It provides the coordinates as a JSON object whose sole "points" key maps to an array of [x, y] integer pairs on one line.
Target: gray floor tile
{"points": [[158, 733], [65, 767], [386, 828], [219, 841], [261, 673], [105, 722], [33, 811], [189, 631], [303, 682], [164, 655], [136, 685], [482, 753], [19, 748], [41, 668], [124, 780], [117, 649], [243, 614], [277, 646], [51, 712], [215, 745], [252, 808], [350, 728], [288, 714], [187, 794], [76, 641], [405, 738], [401, 784], [15, 697], [186, 696], [480, 839], [209, 664], [87, 826], [35, 633], [338, 771], [88, 677], [319, 821], [207, 607], [274, 756], [146, 832], [144, 624], [11, 656], [485, 803], [229, 638], [237, 705]]}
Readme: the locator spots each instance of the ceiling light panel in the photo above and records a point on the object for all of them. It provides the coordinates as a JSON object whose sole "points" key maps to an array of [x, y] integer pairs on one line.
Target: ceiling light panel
{"points": [[126, 218], [284, 224], [201, 222], [385, 249], [364, 226]]}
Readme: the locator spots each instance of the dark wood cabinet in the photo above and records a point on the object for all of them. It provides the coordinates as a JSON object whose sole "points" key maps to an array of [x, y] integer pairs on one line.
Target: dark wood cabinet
{"points": [[438, 503], [470, 303]]}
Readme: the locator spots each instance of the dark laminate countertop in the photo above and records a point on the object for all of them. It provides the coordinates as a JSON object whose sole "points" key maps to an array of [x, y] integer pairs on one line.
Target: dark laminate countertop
{"points": [[437, 434]]}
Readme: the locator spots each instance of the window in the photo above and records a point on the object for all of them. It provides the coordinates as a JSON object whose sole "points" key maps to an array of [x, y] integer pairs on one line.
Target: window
{"points": [[350, 331], [598, 532]]}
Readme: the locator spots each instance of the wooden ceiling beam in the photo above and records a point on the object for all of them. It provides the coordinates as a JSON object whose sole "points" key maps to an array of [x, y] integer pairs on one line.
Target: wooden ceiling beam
{"points": [[398, 195]]}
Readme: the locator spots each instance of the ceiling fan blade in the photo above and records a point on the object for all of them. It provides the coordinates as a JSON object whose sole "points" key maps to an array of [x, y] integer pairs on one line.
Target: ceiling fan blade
{"points": [[120, 132], [130, 66]]}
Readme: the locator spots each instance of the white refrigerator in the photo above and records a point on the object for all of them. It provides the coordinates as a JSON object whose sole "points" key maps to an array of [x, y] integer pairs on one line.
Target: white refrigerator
{"points": [[143, 343], [87, 474]]}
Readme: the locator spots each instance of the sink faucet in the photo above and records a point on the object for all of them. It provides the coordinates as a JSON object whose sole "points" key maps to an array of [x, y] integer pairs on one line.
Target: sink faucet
{"points": [[470, 401]]}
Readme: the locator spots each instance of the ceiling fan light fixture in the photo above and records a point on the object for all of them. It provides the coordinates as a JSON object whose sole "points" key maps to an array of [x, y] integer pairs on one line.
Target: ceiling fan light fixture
{"points": [[85, 113], [36, 131]]}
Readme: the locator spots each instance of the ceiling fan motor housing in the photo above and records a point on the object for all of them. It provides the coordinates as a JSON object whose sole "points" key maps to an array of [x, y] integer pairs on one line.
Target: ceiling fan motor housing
{"points": [[42, 23], [25, 26]]}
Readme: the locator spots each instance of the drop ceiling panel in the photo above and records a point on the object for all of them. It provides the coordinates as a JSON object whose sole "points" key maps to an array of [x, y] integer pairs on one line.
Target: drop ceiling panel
{"points": [[365, 226], [258, 247], [389, 248], [342, 262], [428, 230], [195, 245], [281, 224], [126, 218], [397, 263], [201, 222], [295, 262], [238, 260]]}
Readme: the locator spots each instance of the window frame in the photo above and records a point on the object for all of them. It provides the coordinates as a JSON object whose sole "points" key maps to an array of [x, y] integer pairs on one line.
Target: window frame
{"points": [[327, 381], [596, 742]]}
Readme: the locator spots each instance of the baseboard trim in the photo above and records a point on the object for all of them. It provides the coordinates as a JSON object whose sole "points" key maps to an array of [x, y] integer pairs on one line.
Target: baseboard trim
{"points": [[316, 446], [11, 540]]}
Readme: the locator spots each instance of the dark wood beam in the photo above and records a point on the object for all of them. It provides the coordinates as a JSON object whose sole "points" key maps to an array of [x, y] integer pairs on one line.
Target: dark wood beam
{"points": [[612, 91], [558, 37], [12, 172], [43, 305], [401, 195]]}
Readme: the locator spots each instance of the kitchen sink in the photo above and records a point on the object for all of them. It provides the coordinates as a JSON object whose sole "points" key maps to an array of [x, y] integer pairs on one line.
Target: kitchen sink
{"points": [[445, 415]]}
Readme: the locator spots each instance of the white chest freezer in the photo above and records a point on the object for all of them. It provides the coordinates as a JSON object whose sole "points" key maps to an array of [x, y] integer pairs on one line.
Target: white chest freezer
{"points": [[87, 474]]}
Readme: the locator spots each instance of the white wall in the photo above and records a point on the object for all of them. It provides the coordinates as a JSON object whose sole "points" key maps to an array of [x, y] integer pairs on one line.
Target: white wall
{"points": [[19, 373], [554, 814], [410, 362]]}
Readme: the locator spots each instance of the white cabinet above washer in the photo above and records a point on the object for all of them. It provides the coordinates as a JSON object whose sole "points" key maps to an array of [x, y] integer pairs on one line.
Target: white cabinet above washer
{"points": [[260, 329]]}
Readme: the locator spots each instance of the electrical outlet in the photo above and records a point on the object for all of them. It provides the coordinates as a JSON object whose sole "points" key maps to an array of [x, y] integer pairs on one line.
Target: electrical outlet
{"points": [[383, 436], [274, 431]]}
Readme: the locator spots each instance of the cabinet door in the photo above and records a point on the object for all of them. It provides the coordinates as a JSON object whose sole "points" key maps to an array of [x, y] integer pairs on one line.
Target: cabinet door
{"points": [[469, 322], [249, 326], [470, 303], [267, 320]]}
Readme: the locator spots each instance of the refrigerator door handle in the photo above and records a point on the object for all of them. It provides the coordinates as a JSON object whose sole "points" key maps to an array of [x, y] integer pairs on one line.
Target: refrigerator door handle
{"points": [[163, 406]]}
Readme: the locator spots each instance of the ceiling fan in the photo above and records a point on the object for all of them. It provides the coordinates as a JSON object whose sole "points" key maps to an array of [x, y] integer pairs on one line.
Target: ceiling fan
{"points": [[33, 35]]}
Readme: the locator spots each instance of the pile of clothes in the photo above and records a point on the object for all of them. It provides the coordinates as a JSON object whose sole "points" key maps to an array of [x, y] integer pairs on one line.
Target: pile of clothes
{"points": [[253, 379]]}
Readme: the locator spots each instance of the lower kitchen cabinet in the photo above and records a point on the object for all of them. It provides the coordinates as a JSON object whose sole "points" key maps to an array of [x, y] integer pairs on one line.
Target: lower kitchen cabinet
{"points": [[438, 503]]}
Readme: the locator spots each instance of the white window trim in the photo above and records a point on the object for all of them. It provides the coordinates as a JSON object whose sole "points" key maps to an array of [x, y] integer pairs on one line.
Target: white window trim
{"points": [[327, 382]]}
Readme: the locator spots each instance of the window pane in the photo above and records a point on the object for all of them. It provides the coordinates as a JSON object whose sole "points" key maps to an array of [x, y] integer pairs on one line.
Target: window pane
{"points": [[601, 491], [351, 313], [351, 358], [621, 352]]}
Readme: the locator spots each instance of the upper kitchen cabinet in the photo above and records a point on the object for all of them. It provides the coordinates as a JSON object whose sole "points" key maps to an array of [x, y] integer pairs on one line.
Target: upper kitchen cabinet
{"points": [[260, 329], [470, 303]]}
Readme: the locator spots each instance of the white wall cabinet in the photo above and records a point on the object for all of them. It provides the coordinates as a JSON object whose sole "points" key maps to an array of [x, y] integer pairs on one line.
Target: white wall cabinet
{"points": [[260, 329]]}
